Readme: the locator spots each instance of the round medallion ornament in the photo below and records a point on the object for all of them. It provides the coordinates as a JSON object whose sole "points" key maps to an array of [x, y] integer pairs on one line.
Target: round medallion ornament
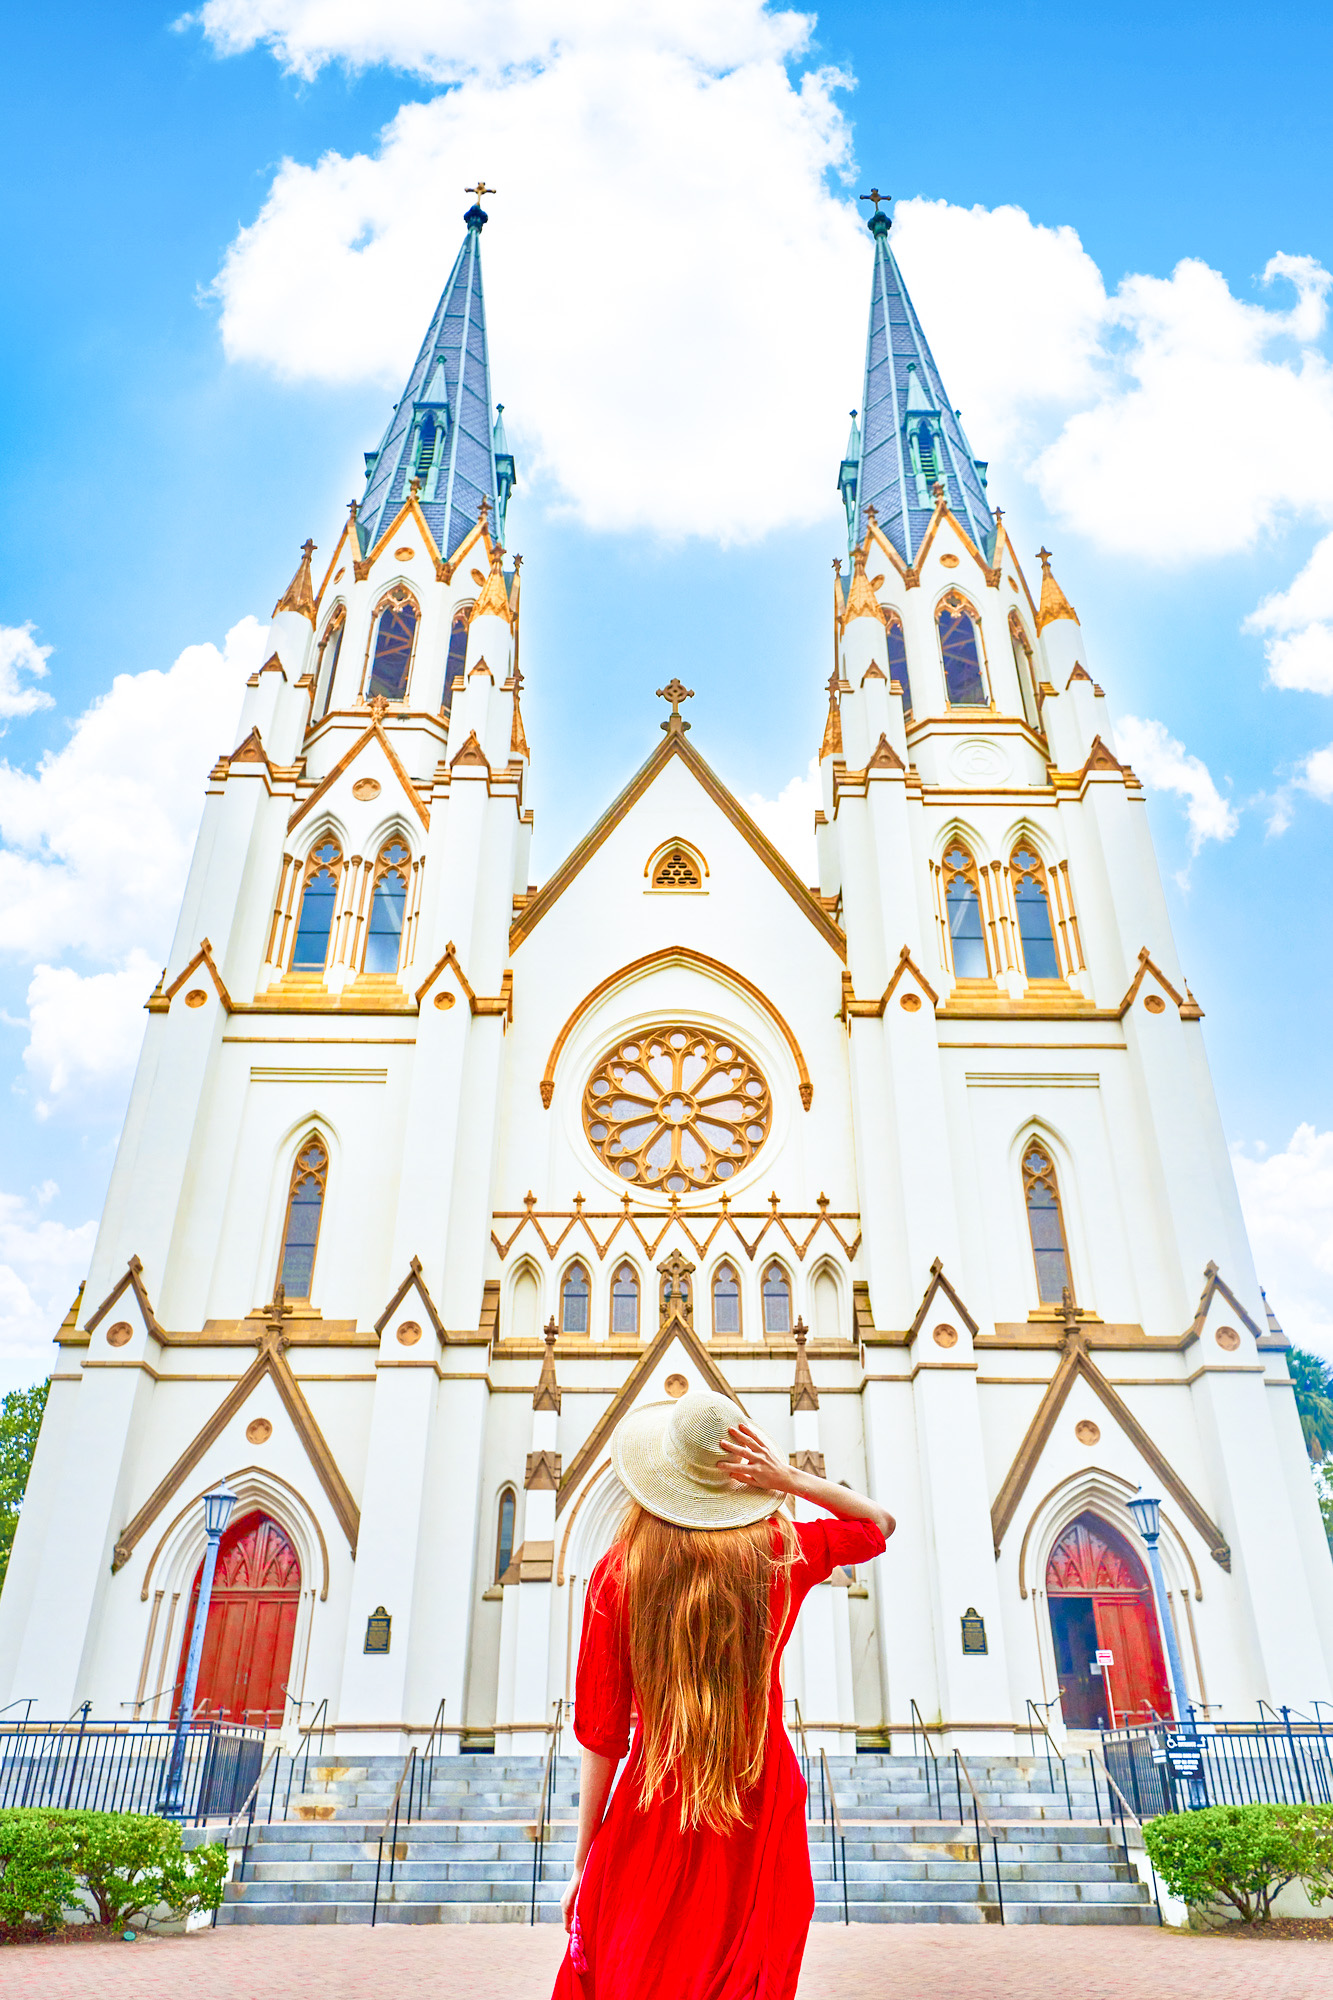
{"points": [[945, 1336], [1228, 1338], [366, 788], [1086, 1431], [403, 555], [675, 1386], [409, 1333], [948, 562], [677, 1109], [1155, 1004], [260, 1431], [195, 997], [120, 1334], [910, 1002], [445, 999]]}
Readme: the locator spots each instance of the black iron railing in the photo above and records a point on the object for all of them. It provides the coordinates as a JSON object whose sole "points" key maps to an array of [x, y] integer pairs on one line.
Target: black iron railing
{"points": [[91, 1766], [545, 1798], [1288, 1761]]}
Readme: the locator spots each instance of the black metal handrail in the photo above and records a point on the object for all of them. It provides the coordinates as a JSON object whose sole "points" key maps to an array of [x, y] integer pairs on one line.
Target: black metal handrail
{"points": [[247, 1810], [836, 1833], [431, 1750], [1119, 1807], [545, 1792], [919, 1722], [307, 1730], [961, 1772], [1284, 1762], [1052, 1747], [406, 1777], [804, 1754]]}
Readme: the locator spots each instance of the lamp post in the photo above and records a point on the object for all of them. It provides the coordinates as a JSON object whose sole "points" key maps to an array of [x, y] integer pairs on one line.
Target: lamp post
{"points": [[1148, 1513], [218, 1507]]}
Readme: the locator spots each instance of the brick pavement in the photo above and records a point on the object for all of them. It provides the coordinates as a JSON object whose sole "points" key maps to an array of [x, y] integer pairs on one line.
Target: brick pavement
{"points": [[484, 1962]]}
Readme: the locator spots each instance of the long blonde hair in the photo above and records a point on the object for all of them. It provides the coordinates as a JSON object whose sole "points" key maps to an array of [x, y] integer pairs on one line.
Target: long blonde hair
{"points": [[700, 1655]]}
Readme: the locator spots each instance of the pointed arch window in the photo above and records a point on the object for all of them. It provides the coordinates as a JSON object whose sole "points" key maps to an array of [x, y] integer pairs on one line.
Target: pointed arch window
{"points": [[962, 902], [678, 868], [1022, 646], [430, 452], [392, 641], [319, 895], [960, 650], [777, 1300], [574, 1300], [504, 1531], [898, 656], [1032, 899], [305, 1206], [726, 1300], [457, 657], [329, 648], [625, 1301], [384, 935], [1041, 1193]]}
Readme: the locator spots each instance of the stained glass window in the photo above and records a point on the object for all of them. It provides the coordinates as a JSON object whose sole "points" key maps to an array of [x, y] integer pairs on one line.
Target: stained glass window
{"points": [[726, 1301], [625, 1301], [961, 652], [1046, 1224], [677, 1108], [927, 452], [898, 659], [457, 660], [395, 635], [963, 904], [777, 1300], [504, 1533], [328, 661], [305, 1202], [385, 934], [1034, 915], [574, 1301], [315, 923]]}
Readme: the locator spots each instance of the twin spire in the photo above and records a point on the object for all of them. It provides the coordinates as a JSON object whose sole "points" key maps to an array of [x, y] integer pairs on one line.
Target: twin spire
{"points": [[441, 433], [909, 441]]}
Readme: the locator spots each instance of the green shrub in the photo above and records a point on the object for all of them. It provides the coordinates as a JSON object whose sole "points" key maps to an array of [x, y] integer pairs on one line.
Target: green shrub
{"points": [[1242, 1856], [126, 1864]]}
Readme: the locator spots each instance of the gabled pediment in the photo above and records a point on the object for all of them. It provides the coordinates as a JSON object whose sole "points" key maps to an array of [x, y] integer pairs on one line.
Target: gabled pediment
{"points": [[374, 734]]}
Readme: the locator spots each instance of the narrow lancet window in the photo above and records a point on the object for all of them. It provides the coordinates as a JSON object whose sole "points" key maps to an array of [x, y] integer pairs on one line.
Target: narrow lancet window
{"points": [[967, 937], [504, 1532], [315, 924], [960, 649], [1046, 1224], [574, 1301], [625, 1301], [898, 658], [457, 660], [305, 1204], [1040, 958], [384, 936], [329, 650], [391, 650], [726, 1300], [777, 1300]]}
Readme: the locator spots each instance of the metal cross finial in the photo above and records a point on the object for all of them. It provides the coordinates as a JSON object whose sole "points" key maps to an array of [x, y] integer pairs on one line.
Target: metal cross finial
{"points": [[1044, 557], [308, 548], [876, 197], [833, 684], [480, 189], [675, 692]]}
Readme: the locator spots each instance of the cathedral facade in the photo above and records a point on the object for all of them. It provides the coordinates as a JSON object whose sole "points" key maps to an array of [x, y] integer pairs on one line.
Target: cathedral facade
{"points": [[430, 1172]]}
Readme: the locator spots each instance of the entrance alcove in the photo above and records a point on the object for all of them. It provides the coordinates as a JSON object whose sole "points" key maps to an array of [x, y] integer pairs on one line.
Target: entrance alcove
{"points": [[1100, 1599], [245, 1665]]}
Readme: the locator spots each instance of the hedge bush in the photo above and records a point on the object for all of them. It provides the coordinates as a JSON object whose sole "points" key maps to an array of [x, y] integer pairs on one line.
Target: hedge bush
{"points": [[1241, 1857], [126, 1864]]}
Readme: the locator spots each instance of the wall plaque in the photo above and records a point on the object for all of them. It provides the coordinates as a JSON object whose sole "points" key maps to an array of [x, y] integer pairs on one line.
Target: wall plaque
{"points": [[974, 1631], [377, 1631]]}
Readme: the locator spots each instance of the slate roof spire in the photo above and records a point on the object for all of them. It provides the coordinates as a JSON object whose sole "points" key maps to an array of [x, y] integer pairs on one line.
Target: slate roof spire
{"points": [[440, 433], [910, 437]]}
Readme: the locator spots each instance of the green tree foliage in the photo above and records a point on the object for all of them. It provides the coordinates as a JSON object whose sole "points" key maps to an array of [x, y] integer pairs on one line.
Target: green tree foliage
{"points": [[1313, 1380], [115, 1868], [20, 1420], [1237, 1858]]}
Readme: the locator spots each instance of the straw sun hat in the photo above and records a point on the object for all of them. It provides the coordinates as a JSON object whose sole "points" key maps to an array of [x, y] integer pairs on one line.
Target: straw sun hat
{"points": [[666, 1456]]}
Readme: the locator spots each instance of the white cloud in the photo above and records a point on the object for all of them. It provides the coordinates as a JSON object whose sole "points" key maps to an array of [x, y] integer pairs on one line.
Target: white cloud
{"points": [[1300, 618], [1315, 776], [42, 1264], [95, 843], [20, 654], [1166, 766], [1288, 1202], [85, 1029], [789, 820]]}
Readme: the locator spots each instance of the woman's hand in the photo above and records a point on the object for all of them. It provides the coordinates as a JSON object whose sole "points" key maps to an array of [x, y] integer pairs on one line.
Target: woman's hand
{"points": [[752, 1462], [570, 1897]]}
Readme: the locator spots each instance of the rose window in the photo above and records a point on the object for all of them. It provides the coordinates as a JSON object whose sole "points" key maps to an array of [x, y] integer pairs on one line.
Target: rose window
{"points": [[677, 1109]]}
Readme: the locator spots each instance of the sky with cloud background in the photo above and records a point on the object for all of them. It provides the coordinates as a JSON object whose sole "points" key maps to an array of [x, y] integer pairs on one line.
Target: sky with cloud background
{"points": [[223, 236]]}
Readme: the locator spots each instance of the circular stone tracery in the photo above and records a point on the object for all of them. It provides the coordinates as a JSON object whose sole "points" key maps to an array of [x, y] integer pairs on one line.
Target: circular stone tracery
{"points": [[677, 1109]]}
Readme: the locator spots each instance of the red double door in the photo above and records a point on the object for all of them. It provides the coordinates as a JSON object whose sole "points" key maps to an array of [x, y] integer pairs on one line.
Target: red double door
{"points": [[1100, 1600], [246, 1661]]}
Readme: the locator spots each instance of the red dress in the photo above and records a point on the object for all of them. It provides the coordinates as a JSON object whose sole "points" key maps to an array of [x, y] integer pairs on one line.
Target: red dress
{"points": [[666, 1915]]}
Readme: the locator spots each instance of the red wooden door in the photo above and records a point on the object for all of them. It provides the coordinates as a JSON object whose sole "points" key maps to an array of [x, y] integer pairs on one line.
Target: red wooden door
{"points": [[247, 1653], [1095, 1564]]}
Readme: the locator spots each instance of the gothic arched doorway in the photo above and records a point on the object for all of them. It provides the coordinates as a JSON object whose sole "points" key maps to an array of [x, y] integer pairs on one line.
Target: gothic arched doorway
{"points": [[1100, 1600], [247, 1652]]}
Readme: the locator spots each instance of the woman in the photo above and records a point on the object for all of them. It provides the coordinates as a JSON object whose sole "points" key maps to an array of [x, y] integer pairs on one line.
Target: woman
{"points": [[696, 1883]]}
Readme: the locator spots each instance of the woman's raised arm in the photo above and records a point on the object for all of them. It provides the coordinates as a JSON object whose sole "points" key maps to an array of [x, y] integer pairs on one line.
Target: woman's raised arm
{"points": [[751, 1462]]}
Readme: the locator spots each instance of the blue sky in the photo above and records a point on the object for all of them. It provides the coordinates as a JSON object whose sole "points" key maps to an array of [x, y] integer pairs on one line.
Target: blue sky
{"points": [[219, 247]]}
